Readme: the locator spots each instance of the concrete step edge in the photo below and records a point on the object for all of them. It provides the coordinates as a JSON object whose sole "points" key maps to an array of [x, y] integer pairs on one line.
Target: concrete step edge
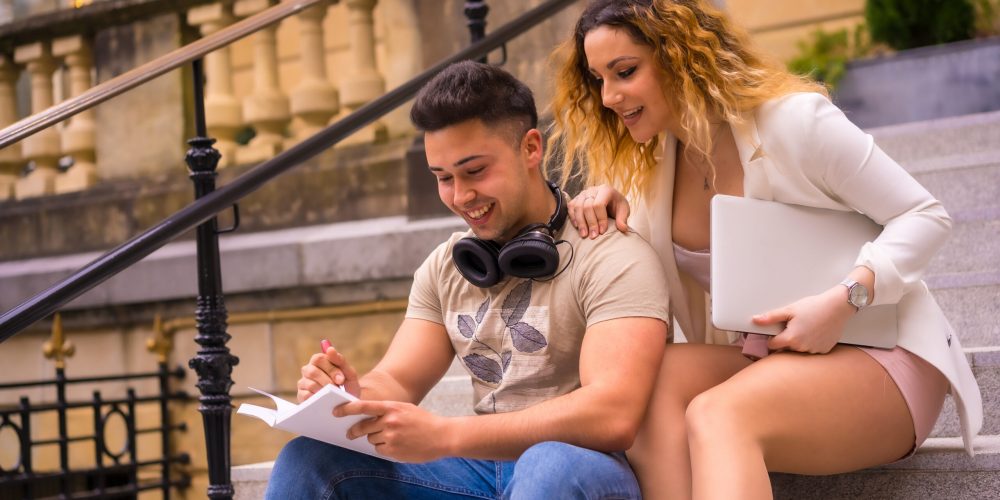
{"points": [[937, 125], [948, 454], [962, 280], [953, 162]]}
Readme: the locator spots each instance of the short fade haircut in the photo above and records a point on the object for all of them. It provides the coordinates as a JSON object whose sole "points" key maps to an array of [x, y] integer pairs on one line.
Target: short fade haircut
{"points": [[470, 90]]}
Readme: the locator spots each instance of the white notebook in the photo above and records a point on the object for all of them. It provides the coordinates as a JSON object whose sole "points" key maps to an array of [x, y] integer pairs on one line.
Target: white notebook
{"points": [[766, 255], [314, 418]]}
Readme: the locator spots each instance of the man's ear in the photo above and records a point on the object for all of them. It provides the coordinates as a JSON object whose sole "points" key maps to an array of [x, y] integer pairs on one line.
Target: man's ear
{"points": [[531, 146]]}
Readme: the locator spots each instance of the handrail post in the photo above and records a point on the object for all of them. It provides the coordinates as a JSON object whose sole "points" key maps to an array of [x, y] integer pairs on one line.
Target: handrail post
{"points": [[475, 12], [213, 362]]}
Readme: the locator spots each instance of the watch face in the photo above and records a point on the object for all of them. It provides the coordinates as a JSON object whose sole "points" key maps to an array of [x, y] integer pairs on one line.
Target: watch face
{"points": [[859, 295]]}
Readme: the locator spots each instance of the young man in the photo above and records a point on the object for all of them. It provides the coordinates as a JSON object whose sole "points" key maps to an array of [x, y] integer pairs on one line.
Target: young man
{"points": [[562, 363]]}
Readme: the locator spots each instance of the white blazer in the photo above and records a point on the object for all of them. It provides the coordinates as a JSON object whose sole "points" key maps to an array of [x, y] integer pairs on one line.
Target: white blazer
{"points": [[801, 149]]}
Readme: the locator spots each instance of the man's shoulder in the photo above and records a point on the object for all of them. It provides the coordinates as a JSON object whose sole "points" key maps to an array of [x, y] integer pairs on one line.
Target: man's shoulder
{"points": [[612, 241]]}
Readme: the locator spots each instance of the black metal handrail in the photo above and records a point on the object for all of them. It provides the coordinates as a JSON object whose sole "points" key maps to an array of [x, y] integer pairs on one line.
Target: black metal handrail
{"points": [[163, 64], [121, 257]]}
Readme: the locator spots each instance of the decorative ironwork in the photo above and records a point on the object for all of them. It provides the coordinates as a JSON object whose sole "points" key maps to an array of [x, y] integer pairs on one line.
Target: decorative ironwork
{"points": [[57, 347], [113, 473], [213, 363]]}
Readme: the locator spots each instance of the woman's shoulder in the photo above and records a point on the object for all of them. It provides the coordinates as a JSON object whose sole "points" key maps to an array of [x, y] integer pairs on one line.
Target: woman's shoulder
{"points": [[793, 109]]}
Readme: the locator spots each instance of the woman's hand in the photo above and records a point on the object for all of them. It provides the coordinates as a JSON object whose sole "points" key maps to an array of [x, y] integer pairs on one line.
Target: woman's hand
{"points": [[813, 324], [330, 367], [589, 211]]}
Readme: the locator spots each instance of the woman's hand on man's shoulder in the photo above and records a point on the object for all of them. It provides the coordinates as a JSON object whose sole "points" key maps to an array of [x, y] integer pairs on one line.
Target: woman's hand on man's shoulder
{"points": [[590, 210]]}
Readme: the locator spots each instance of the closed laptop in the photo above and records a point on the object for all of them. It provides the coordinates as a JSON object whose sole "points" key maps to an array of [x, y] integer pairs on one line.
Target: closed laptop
{"points": [[766, 255]]}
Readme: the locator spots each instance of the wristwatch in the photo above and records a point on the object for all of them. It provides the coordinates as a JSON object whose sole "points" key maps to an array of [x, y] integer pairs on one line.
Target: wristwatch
{"points": [[857, 294]]}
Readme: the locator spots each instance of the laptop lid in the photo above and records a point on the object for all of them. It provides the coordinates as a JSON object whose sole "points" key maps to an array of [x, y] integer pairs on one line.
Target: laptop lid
{"points": [[766, 255]]}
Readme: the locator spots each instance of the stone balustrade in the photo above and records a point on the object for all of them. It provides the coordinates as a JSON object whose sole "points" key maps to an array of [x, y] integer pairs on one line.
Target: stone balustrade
{"points": [[278, 95]]}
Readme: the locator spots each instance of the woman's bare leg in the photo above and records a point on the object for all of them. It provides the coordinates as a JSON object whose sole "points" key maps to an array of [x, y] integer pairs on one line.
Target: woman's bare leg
{"points": [[805, 414], [660, 454]]}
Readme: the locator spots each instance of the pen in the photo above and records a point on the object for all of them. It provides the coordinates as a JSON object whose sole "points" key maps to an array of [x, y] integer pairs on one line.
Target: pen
{"points": [[323, 346]]}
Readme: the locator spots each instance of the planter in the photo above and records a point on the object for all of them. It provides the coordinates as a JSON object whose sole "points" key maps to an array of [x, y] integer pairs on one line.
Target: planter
{"points": [[921, 84]]}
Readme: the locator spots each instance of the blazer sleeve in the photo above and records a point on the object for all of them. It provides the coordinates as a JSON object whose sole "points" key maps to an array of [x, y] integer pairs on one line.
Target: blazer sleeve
{"points": [[844, 163]]}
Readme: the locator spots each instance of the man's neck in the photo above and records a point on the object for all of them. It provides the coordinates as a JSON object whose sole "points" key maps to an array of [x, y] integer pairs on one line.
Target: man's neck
{"points": [[541, 205]]}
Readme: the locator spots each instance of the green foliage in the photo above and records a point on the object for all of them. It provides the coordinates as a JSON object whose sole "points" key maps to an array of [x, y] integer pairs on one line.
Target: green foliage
{"points": [[904, 24], [824, 55], [987, 18]]}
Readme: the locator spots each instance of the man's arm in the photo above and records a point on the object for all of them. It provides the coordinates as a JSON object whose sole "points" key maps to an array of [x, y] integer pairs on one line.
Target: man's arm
{"points": [[619, 362], [419, 355], [417, 358]]}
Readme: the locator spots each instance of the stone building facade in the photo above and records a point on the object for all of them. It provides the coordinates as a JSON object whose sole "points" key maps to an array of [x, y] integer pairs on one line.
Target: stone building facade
{"points": [[325, 251]]}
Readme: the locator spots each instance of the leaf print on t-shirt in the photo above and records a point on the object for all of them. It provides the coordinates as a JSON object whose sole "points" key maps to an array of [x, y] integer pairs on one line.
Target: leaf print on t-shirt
{"points": [[491, 366], [485, 306], [516, 303], [466, 326], [526, 338], [484, 368]]}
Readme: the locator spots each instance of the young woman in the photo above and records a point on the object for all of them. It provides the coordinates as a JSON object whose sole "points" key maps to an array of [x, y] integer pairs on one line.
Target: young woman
{"points": [[665, 105]]}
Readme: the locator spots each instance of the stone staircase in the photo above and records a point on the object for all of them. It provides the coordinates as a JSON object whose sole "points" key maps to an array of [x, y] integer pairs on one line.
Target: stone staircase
{"points": [[957, 159]]}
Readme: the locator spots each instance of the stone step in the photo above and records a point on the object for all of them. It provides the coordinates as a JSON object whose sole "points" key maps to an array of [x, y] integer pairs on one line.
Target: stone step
{"points": [[973, 246], [961, 182], [940, 470], [986, 366], [919, 141], [970, 302]]}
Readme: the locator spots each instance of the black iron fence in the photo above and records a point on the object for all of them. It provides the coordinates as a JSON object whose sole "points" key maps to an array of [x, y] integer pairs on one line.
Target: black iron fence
{"points": [[117, 467]]}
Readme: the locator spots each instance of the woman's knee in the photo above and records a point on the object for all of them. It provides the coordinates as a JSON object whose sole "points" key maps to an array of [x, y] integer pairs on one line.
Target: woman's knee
{"points": [[713, 414]]}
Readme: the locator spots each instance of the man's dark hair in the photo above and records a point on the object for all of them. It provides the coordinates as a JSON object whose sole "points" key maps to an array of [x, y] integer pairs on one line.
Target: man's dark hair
{"points": [[470, 90]]}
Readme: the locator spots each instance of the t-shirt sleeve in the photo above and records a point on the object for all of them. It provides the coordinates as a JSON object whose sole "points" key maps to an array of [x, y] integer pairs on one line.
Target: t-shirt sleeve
{"points": [[425, 298], [620, 276]]}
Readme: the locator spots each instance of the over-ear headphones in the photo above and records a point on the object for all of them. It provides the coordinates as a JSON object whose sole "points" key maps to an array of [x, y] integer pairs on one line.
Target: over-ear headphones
{"points": [[530, 254]]}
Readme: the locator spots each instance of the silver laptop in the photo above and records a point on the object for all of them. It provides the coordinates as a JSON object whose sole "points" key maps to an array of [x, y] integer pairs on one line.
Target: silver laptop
{"points": [[766, 255]]}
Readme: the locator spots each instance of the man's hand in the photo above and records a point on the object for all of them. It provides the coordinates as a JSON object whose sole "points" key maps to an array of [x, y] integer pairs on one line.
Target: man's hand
{"points": [[327, 368], [399, 430]]}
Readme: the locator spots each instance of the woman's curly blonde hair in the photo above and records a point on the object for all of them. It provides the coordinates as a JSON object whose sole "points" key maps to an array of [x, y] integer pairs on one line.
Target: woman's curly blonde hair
{"points": [[707, 70]]}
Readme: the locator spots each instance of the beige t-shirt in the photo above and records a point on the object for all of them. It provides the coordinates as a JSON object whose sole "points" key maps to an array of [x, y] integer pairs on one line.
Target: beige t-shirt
{"points": [[520, 339]]}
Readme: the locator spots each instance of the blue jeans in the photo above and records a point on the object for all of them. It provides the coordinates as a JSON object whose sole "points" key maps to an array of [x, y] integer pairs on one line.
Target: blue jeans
{"points": [[310, 469]]}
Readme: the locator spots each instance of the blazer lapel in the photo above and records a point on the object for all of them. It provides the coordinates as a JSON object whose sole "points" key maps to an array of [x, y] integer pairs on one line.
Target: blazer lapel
{"points": [[754, 158]]}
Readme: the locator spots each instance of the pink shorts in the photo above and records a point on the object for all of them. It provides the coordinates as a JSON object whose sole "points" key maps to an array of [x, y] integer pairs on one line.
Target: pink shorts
{"points": [[923, 387]]}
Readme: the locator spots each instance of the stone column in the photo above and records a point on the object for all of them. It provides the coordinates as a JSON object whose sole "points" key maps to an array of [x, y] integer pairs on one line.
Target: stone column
{"points": [[10, 156], [267, 107], [223, 115], [78, 138], [314, 99], [362, 81], [43, 148]]}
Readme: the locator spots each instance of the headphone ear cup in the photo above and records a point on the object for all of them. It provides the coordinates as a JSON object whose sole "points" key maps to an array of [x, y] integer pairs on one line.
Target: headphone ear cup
{"points": [[533, 255], [476, 260]]}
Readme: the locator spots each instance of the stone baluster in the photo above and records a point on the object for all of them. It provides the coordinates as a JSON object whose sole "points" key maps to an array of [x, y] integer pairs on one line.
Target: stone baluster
{"points": [[78, 140], [10, 157], [43, 148], [223, 114], [314, 100], [362, 82], [267, 107]]}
